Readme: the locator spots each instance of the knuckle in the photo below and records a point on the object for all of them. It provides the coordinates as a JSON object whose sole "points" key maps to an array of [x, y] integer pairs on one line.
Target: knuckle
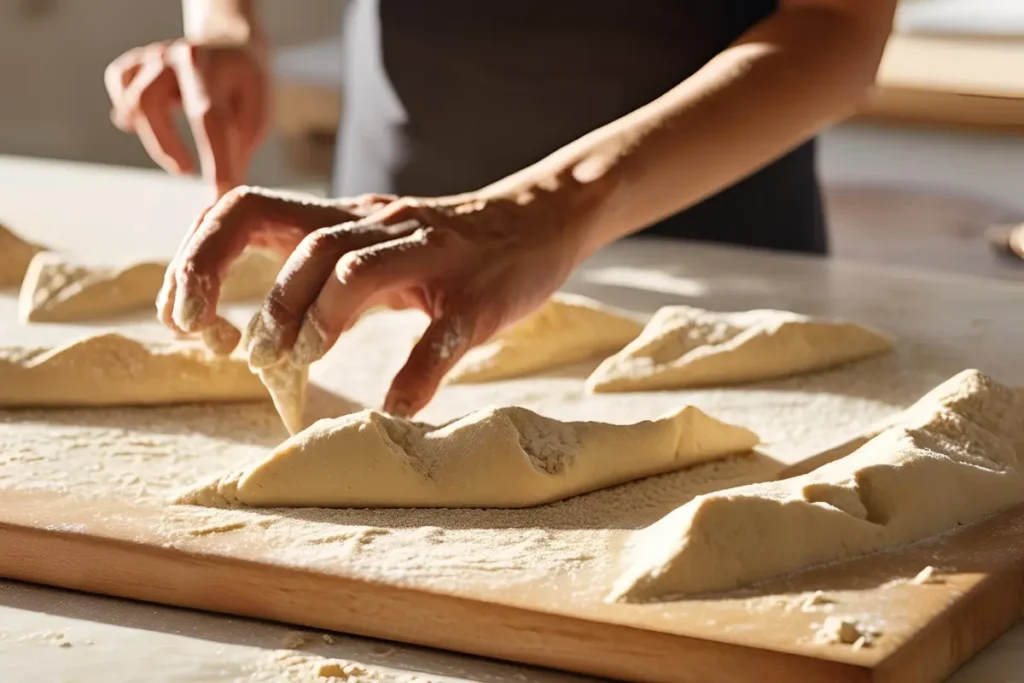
{"points": [[353, 265], [320, 241]]}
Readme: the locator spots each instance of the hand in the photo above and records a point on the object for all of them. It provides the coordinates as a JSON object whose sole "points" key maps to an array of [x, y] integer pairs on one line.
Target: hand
{"points": [[222, 90], [472, 263]]}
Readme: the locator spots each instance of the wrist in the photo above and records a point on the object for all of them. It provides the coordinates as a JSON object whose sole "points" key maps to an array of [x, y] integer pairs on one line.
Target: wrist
{"points": [[550, 195], [222, 23]]}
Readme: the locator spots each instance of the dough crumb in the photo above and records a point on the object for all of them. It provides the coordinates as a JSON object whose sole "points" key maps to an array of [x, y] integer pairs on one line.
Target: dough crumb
{"points": [[927, 575], [294, 640], [816, 600], [844, 631], [65, 644], [341, 670], [328, 638]]}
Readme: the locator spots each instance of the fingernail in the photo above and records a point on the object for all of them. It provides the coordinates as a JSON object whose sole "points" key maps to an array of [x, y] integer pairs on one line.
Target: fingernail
{"points": [[264, 336], [309, 345], [400, 408]]}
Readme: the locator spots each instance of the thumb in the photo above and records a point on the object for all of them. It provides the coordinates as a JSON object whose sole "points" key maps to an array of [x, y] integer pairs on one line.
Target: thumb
{"points": [[442, 345]]}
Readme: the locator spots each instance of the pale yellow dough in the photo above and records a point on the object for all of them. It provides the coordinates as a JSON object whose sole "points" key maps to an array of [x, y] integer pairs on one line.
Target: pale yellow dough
{"points": [[287, 385], [567, 329], [15, 255], [58, 288], [111, 369], [690, 347], [504, 457], [956, 456]]}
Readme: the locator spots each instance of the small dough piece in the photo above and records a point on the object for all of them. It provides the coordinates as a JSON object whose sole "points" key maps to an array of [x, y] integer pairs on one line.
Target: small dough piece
{"points": [[956, 457], [15, 255], [844, 631], [567, 329], [287, 385], [503, 457], [59, 289], [111, 369], [690, 347]]}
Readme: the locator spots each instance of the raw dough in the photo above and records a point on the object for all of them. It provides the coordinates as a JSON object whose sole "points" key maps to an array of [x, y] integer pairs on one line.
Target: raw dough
{"points": [[59, 289], [956, 458], [111, 369], [690, 347], [566, 329], [287, 385], [15, 254], [503, 457]]}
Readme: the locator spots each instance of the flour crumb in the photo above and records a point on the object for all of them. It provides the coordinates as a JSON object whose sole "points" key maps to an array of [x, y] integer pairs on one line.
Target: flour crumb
{"points": [[927, 575], [294, 640], [817, 600], [845, 631]]}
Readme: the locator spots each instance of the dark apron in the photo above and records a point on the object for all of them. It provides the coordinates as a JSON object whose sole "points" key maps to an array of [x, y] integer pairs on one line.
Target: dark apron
{"points": [[446, 96]]}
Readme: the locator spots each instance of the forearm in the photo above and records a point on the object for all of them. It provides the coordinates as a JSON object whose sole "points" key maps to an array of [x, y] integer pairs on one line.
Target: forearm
{"points": [[787, 78], [220, 21]]}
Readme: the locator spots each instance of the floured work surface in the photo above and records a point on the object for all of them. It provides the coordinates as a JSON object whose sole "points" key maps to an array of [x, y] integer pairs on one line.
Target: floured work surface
{"points": [[82, 502]]}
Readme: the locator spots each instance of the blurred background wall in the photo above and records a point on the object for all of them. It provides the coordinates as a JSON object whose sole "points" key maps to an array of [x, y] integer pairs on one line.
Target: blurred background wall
{"points": [[918, 177]]}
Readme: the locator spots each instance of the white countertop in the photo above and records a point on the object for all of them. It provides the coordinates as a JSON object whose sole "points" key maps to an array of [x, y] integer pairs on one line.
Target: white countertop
{"points": [[53, 635]]}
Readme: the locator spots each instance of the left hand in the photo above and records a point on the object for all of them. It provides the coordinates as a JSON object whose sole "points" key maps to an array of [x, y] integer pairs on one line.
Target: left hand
{"points": [[472, 263]]}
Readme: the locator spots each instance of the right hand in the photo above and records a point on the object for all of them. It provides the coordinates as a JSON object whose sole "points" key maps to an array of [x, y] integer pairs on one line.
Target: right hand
{"points": [[223, 91]]}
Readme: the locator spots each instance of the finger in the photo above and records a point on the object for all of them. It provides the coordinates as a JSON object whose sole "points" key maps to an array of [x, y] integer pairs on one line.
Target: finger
{"points": [[221, 337], [243, 216], [299, 283], [168, 291], [442, 345], [155, 126], [116, 78], [209, 120], [357, 277]]}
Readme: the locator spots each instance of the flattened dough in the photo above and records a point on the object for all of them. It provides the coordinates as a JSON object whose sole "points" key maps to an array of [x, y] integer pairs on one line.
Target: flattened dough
{"points": [[504, 457], [567, 329], [59, 289], [111, 369], [15, 254], [690, 347], [956, 457]]}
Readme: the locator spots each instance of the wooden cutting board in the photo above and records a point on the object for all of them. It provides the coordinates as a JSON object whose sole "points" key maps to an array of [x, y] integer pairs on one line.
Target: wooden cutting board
{"points": [[108, 529], [927, 630]]}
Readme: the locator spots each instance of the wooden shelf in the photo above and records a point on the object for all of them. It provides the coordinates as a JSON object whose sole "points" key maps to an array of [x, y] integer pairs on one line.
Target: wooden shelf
{"points": [[963, 82]]}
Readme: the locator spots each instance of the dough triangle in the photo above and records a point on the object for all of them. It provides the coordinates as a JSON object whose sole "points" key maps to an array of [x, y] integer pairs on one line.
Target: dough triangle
{"points": [[111, 369], [567, 329], [504, 457], [689, 347], [58, 288], [15, 255], [956, 456]]}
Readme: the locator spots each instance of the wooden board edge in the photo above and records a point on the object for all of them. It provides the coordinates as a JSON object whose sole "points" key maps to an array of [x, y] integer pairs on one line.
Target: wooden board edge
{"points": [[970, 624], [174, 577]]}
